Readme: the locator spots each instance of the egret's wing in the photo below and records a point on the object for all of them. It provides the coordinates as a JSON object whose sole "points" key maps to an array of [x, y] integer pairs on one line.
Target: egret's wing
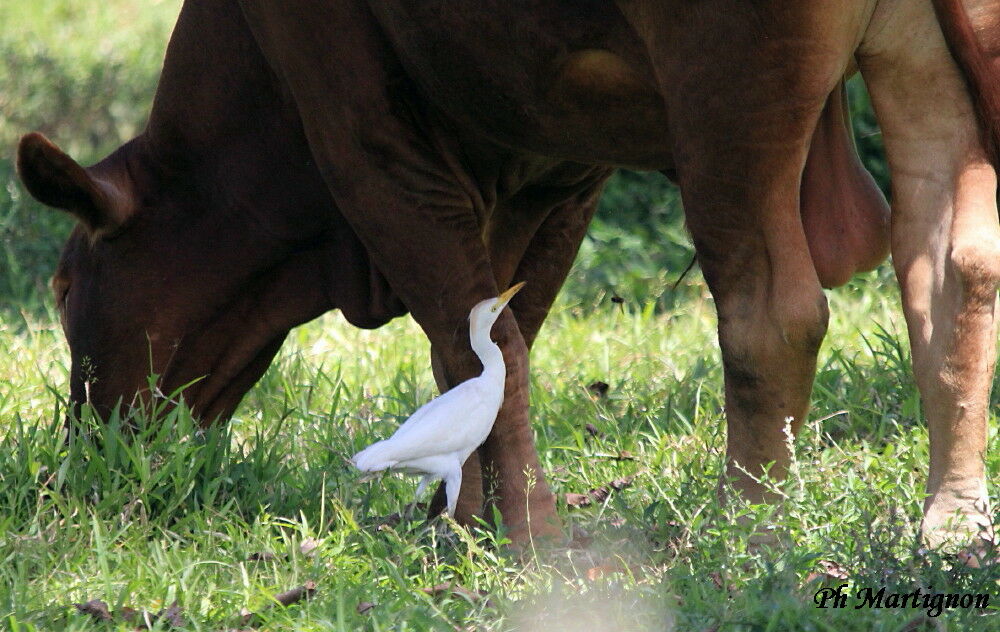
{"points": [[449, 405], [448, 423]]}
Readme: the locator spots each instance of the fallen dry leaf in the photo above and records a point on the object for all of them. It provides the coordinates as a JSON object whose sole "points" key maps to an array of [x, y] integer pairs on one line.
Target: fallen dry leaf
{"points": [[143, 620], [603, 570], [173, 616], [720, 582], [598, 494], [95, 608], [613, 567], [294, 595], [286, 598], [308, 547], [829, 571], [716, 578], [130, 614]]}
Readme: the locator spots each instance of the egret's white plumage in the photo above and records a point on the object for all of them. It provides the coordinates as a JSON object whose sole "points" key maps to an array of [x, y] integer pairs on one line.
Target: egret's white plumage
{"points": [[437, 439]]}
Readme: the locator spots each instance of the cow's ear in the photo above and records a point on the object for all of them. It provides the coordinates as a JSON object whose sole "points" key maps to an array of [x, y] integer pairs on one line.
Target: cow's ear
{"points": [[55, 179]]}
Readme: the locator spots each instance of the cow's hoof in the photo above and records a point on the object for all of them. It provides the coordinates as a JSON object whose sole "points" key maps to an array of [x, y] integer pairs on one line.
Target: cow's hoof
{"points": [[537, 538], [768, 536], [960, 526], [978, 555], [543, 533]]}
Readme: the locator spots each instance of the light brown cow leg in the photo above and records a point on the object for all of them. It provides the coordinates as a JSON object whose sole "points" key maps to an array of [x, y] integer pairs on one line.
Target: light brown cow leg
{"points": [[946, 251]]}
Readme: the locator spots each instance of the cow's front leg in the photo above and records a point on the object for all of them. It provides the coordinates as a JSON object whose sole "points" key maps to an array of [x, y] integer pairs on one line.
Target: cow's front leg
{"points": [[536, 240], [946, 251], [506, 466], [403, 183]]}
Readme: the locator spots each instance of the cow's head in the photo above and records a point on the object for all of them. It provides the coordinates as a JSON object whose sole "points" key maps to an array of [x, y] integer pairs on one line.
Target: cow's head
{"points": [[194, 279], [203, 241]]}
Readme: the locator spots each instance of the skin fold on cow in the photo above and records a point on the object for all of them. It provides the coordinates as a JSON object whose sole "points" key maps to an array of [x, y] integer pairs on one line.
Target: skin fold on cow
{"points": [[416, 156]]}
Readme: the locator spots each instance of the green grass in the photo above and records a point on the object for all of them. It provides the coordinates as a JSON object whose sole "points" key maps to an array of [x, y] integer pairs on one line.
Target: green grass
{"points": [[221, 521], [179, 516]]}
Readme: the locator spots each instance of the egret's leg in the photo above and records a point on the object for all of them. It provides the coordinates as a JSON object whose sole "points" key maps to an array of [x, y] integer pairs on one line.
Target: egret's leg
{"points": [[422, 487], [452, 484], [470, 499]]}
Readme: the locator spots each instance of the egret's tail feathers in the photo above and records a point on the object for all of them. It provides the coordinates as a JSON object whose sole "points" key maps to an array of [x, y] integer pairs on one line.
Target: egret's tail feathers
{"points": [[374, 458]]}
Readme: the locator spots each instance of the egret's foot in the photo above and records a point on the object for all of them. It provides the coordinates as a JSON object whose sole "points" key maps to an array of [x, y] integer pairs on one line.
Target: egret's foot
{"points": [[408, 512], [444, 530], [470, 502], [960, 524], [534, 518]]}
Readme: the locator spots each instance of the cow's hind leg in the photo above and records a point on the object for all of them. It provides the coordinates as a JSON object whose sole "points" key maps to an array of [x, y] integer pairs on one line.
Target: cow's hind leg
{"points": [[772, 317], [946, 251]]}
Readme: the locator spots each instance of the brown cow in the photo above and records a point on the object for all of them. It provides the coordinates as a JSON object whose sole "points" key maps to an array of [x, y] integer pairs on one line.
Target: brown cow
{"points": [[417, 155]]}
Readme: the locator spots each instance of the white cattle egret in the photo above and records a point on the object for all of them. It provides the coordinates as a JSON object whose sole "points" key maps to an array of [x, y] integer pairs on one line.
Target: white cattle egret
{"points": [[437, 439]]}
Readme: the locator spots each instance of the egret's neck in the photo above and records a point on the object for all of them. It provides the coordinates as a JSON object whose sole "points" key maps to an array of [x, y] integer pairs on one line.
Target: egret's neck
{"points": [[489, 353]]}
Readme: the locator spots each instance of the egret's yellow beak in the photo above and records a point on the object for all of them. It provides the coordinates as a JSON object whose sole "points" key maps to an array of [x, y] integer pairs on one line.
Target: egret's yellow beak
{"points": [[505, 297]]}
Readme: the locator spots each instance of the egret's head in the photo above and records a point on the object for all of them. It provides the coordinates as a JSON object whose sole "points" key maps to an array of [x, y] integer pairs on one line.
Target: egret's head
{"points": [[485, 313]]}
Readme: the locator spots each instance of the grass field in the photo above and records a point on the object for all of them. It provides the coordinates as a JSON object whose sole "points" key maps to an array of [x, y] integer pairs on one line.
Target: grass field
{"points": [[219, 523]]}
